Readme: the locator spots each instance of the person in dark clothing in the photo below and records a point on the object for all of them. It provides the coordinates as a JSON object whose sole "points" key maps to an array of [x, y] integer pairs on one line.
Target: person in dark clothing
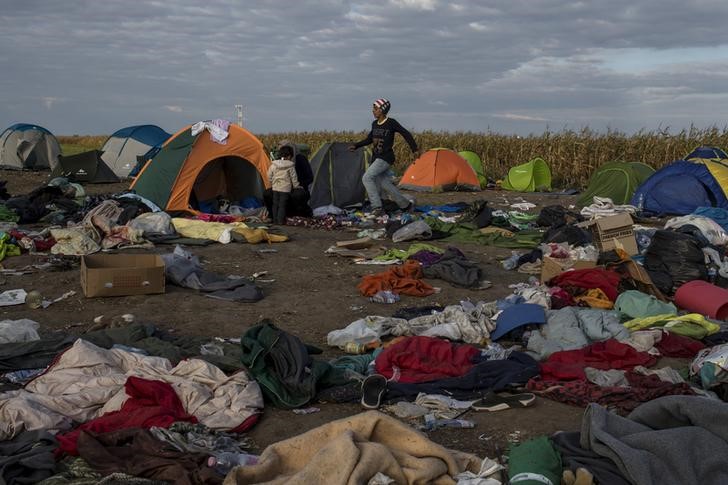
{"points": [[381, 137], [298, 200]]}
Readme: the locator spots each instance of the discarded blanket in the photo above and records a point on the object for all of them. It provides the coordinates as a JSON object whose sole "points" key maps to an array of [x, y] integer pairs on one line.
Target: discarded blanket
{"points": [[403, 280], [136, 452], [455, 268], [611, 354], [425, 359], [223, 233], [641, 389], [353, 450], [573, 328], [88, 381], [183, 269], [672, 440], [605, 280], [281, 364], [150, 403]]}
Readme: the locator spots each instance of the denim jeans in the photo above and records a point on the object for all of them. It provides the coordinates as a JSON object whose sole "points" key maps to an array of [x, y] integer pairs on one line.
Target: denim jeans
{"points": [[377, 179]]}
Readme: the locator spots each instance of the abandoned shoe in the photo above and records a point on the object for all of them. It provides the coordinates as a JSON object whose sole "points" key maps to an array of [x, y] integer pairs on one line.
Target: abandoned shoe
{"points": [[497, 402], [372, 390]]}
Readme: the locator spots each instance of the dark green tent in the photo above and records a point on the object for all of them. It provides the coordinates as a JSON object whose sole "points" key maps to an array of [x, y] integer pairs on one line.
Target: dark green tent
{"points": [[84, 168], [616, 180], [337, 175]]}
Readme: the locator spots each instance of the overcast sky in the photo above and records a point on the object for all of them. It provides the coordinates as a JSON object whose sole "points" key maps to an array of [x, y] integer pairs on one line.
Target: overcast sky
{"points": [[510, 66]]}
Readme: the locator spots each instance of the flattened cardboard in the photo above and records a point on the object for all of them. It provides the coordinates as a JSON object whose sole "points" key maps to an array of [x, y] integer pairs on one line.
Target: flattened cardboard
{"points": [[122, 274], [553, 267], [361, 243]]}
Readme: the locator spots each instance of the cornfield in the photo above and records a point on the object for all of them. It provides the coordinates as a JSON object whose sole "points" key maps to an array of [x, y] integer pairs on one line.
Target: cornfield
{"points": [[572, 155]]}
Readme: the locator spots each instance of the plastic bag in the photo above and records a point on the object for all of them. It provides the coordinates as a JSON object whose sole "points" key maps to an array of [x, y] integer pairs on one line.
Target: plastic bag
{"points": [[23, 330]]}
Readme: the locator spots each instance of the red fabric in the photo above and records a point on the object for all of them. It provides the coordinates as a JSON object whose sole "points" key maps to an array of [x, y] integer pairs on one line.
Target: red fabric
{"points": [[566, 365], [625, 399], [589, 278], [403, 280], [673, 345], [150, 403], [425, 359]]}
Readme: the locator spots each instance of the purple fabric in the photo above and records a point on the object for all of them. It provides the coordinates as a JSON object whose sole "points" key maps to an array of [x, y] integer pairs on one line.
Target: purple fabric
{"points": [[426, 258]]}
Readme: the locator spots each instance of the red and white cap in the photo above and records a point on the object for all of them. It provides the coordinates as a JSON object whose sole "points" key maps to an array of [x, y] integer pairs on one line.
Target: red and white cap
{"points": [[383, 104]]}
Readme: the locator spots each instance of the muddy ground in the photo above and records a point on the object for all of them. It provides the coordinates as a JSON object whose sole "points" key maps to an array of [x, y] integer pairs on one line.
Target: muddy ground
{"points": [[312, 294]]}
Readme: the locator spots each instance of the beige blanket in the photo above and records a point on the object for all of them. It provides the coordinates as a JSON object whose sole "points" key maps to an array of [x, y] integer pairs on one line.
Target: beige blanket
{"points": [[88, 381], [351, 451]]}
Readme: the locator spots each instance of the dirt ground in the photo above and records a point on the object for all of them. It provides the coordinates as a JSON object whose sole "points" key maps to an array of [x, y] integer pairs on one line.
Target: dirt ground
{"points": [[312, 294]]}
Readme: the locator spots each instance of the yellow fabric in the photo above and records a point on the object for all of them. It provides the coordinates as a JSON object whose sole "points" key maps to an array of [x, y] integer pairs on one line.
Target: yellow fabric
{"points": [[499, 230], [667, 320], [595, 298], [221, 232], [350, 451]]}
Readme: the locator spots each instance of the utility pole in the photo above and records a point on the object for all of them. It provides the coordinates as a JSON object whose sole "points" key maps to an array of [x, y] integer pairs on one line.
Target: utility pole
{"points": [[239, 114]]}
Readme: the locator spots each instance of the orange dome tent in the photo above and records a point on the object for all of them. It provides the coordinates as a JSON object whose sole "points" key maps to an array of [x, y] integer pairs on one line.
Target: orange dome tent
{"points": [[193, 168], [440, 170]]}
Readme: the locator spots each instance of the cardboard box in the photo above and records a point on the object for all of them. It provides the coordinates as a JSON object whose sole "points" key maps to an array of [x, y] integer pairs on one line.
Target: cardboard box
{"points": [[551, 267], [122, 274], [612, 232]]}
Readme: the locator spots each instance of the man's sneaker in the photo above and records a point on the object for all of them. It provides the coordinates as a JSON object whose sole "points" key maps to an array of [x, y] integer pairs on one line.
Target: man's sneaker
{"points": [[408, 208]]}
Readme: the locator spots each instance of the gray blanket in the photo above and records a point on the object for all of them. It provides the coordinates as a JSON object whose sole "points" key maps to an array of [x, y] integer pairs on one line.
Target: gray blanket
{"points": [[671, 440]]}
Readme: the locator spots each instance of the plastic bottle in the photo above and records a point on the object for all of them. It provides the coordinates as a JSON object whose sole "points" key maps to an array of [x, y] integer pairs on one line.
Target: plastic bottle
{"points": [[640, 203], [355, 348], [225, 461], [511, 262]]}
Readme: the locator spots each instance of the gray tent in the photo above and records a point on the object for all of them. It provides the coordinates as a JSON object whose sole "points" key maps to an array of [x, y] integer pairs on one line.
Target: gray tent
{"points": [[24, 146], [337, 175]]}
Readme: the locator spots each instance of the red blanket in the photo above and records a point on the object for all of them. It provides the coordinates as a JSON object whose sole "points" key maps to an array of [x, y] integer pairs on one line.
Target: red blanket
{"points": [[425, 359], [150, 403], [566, 365]]}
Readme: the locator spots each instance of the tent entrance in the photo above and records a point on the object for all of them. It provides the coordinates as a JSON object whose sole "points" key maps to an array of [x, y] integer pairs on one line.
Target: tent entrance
{"points": [[230, 178]]}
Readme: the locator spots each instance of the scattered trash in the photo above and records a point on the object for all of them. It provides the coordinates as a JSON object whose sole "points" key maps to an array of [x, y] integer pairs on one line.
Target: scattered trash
{"points": [[13, 297], [310, 410], [514, 437], [267, 250], [212, 349], [432, 423], [34, 299], [356, 308], [384, 296]]}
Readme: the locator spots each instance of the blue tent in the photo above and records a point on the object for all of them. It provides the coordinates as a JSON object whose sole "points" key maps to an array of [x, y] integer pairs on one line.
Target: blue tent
{"points": [[683, 186], [123, 147], [707, 153]]}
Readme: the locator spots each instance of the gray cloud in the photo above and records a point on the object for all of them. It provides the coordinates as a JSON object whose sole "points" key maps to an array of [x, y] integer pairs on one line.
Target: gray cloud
{"points": [[507, 66]]}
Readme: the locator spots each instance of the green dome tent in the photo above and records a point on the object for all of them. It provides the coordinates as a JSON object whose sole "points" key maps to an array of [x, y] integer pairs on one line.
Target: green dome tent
{"points": [[616, 180], [474, 161], [532, 176]]}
